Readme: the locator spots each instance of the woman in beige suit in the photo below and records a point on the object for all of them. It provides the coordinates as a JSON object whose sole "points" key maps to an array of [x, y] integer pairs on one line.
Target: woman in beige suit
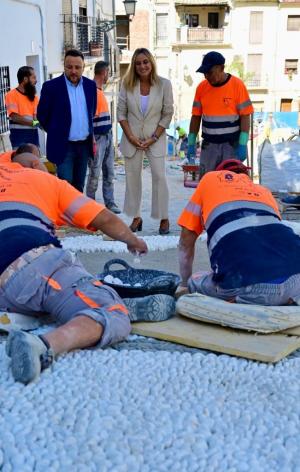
{"points": [[145, 110]]}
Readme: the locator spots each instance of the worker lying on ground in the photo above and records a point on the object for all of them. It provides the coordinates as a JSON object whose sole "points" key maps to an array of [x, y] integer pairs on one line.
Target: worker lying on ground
{"points": [[37, 275], [254, 257], [26, 147]]}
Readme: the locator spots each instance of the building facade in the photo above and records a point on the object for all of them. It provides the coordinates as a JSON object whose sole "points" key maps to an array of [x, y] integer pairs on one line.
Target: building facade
{"points": [[259, 39], [42, 32]]}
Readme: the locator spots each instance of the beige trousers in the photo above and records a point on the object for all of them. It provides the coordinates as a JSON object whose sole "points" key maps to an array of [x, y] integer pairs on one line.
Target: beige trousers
{"points": [[133, 193]]}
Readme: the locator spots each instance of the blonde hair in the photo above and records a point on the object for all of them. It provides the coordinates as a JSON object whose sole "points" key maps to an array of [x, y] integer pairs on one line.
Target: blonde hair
{"points": [[131, 76]]}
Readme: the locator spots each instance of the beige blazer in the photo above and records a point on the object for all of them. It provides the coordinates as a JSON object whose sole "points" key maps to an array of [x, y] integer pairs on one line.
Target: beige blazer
{"points": [[159, 112]]}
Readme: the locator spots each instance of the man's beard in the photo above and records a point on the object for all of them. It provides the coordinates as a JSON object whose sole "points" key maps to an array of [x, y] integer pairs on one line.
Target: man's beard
{"points": [[30, 91]]}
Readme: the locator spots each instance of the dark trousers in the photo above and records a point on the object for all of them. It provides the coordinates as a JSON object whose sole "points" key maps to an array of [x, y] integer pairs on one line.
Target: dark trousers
{"points": [[74, 166]]}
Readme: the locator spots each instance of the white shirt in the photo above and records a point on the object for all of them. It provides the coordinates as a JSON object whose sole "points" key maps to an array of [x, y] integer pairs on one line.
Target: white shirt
{"points": [[144, 103]]}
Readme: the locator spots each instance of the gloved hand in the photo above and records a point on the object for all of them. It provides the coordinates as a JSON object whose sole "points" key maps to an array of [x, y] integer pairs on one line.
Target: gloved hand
{"points": [[191, 153], [241, 149], [241, 152], [35, 123]]}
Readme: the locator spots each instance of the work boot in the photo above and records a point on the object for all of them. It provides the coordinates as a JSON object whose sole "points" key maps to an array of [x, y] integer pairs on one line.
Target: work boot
{"points": [[157, 307], [30, 354], [114, 208]]}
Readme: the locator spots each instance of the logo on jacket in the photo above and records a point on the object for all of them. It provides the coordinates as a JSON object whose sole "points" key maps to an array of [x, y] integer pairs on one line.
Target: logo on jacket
{"points": [[228, 177]]}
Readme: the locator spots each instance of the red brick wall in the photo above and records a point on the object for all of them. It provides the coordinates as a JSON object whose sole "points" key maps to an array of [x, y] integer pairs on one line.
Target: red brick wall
{"points": [[139, 30]]}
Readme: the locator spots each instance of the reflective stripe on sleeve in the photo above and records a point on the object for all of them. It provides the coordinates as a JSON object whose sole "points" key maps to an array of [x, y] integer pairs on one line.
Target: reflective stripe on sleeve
{"points": [[75, 206], [197, 104], [246, 104], [193, 208]]}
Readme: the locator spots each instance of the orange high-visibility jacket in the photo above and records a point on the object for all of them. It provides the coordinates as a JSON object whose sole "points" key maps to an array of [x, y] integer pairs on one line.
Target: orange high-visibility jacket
{"points": [[221, 108], [31, 203], [102, 120], [17, 102], [246, 240]]}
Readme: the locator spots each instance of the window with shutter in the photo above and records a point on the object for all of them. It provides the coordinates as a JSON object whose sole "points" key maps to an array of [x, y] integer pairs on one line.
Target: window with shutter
{"points": [[256, 27], [293, 23], [161, 29], [254, 68], [291, 66]]}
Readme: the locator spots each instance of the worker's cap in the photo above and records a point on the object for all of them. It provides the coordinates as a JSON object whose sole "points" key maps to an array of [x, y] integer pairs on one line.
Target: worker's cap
{"points": [[210, 60], [233, 165]]}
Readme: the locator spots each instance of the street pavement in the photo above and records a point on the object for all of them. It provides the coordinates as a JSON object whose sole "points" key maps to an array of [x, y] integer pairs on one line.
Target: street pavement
{"points": [[161, 260]]}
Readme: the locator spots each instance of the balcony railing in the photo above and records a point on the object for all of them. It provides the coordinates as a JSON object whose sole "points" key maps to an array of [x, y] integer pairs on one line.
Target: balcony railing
{"points": [[83, 33], [123, 42], [257, 82], [205, 35], [199, 35]]}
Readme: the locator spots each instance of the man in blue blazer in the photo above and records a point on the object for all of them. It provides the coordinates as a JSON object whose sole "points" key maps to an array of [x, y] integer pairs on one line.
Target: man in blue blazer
{"points": [[66, 109]]}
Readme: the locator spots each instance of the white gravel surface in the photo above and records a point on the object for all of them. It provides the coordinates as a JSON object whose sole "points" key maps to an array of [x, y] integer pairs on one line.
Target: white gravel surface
{"points": [[96, 243], [152, 411], [92, 243]]}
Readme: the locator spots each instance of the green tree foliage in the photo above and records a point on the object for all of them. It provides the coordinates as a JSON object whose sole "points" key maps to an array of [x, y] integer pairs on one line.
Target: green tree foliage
{"points": [[237, 68]]}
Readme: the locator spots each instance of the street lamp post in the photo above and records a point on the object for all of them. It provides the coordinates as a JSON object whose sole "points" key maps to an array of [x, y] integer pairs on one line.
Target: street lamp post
{"points": [[107, 25]]}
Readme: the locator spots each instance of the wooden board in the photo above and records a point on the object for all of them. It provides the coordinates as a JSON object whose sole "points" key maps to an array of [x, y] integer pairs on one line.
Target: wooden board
{"points": [[260, 347], [263, 319]]}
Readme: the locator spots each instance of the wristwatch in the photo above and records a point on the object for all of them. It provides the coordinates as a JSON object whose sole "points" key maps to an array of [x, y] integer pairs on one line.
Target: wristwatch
{"points": [[154, 136]]}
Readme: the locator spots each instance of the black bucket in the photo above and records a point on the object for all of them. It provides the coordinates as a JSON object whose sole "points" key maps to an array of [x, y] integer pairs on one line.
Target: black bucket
{"points": [[152, 281]]}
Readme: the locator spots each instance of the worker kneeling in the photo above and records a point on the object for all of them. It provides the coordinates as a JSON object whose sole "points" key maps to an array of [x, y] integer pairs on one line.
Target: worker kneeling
{"points": [[37, 275], [254, 257]]}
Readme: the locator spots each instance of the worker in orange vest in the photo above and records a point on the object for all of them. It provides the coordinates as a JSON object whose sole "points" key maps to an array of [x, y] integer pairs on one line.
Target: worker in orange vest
{"points": [[21, 105], [104, 157], [38, 276], [254, 257], [27, 147]]}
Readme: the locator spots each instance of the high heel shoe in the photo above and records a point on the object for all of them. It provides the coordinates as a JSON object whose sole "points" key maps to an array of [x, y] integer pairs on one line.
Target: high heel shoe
{"points": [[164, 227], [137, 224]]}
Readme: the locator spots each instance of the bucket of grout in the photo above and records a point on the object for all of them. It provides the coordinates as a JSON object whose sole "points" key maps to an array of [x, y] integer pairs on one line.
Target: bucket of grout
{"points": [[129, 282]]}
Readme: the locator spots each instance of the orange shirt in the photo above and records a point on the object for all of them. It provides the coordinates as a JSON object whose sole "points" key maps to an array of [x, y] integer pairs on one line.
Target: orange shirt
{"points": [[55, 198], [246, 241], [221, 108], [102, 120], [216, 190], [17, 102], [6, 157]]}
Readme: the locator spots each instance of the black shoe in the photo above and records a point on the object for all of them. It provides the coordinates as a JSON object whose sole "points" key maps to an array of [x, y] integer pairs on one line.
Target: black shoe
{"points": [[137, 224], [164, 227]]}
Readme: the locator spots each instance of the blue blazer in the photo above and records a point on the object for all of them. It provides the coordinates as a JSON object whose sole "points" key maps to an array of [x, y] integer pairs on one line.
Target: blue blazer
{"points": [[54, 114]]}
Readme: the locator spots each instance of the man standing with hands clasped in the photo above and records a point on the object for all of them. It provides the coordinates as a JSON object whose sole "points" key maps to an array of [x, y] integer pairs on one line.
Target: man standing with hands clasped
{"points": [[66, 110], [104, 157], [222, 103]]}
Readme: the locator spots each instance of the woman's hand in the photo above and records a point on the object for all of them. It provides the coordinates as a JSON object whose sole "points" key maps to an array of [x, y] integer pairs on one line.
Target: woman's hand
{"points": [[135, 141], [147, 143]]}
